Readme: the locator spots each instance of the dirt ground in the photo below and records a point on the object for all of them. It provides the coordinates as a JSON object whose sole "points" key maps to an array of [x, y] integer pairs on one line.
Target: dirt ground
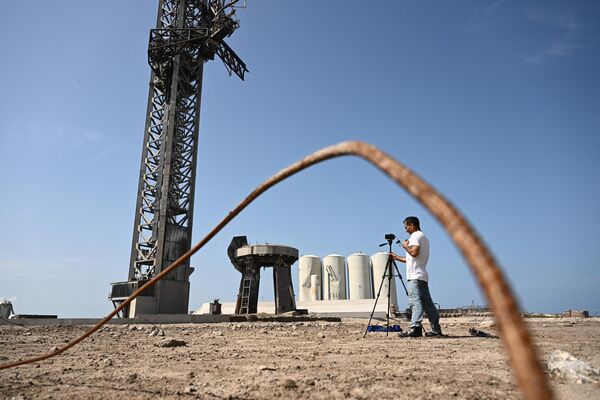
{"points": [[265, 360]]}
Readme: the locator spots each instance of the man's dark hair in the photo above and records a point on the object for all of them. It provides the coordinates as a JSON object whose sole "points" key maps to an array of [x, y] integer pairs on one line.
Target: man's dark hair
{"points": [[413, 221]]}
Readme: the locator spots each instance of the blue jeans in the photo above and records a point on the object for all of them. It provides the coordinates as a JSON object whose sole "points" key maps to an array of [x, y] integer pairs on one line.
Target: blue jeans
{"points": [[420, 299]]}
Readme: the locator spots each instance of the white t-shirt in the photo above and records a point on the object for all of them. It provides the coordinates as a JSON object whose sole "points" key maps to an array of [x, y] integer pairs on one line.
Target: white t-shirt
{"points": [[416, 267]]}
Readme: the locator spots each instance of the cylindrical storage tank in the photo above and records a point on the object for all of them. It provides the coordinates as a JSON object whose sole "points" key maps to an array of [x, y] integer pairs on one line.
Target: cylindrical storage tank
{"points": [[315, 288], [334, 277], [6, 309], [379, 262], [308, 265], [359, 276]]}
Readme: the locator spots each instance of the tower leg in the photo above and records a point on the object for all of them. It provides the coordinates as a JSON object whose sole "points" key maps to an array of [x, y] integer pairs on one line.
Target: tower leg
{"points": [[284, 291], [247, 301]]}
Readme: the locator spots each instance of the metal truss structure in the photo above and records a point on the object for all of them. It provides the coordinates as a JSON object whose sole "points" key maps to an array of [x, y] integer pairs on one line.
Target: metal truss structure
{"points": [[188, 33]]}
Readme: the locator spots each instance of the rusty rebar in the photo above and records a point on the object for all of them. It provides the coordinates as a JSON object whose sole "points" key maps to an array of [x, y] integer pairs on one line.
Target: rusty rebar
{"points": [[528, 370]]}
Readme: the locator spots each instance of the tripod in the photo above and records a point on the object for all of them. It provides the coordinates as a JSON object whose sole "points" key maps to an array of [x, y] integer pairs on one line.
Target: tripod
{"points": [[388, 274]]}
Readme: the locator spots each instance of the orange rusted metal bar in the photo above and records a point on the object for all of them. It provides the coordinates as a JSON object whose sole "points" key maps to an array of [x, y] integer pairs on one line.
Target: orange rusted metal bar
{"points": [[528, 370]]}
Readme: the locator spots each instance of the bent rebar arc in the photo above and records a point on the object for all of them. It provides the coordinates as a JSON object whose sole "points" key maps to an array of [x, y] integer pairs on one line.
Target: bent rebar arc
{"points": [[530, 376]]}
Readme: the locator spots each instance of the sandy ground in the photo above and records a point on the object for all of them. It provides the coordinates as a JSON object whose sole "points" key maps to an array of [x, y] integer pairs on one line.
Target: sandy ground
{"points": [[264, 360]]}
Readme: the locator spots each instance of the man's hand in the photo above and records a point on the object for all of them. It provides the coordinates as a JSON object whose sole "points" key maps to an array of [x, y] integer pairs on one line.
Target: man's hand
{"points": [[412, 250]]}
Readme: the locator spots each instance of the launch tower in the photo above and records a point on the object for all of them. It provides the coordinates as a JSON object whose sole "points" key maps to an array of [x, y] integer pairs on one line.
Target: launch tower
{"points": [[188, 33]]}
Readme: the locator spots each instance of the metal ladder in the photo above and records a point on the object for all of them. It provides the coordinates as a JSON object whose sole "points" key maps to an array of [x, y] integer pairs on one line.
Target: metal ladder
{"points": [[246, 286]]}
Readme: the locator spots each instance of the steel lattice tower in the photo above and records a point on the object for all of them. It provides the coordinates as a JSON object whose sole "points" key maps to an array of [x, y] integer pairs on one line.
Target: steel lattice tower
{"points": [[188, 33]]}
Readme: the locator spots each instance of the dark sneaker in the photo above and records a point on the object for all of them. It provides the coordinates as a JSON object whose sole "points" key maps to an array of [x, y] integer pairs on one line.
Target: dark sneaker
{"points": [[433, 334], [414, 331]]}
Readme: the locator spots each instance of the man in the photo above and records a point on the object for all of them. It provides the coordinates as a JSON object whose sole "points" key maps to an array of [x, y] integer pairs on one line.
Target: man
{"points": [[417, 255]]}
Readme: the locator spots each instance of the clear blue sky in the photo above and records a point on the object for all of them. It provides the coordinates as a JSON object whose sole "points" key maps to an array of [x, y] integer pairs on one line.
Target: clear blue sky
{"points": [[495, 103]]}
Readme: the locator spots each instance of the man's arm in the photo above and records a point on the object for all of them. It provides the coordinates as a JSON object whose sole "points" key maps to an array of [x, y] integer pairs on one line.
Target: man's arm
{"points": [[412, 250], [397, 257]]}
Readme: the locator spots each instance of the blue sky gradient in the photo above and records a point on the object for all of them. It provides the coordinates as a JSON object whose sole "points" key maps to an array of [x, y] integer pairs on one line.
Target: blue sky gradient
{"points": [[495, 103]]}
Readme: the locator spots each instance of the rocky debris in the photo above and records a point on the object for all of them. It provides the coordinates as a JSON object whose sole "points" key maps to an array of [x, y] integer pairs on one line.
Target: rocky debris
{"points": [[566, 366], [170, 342], [568, 324], [248, 364], [156, 332], [290, 384], [190, 389], [132, 377], [54, 349], [488, 324], [358, 393]]}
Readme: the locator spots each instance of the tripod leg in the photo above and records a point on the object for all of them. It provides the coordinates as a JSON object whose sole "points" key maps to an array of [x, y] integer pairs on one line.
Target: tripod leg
{"points": [[400, 276], [389, 272], [375, 306]]}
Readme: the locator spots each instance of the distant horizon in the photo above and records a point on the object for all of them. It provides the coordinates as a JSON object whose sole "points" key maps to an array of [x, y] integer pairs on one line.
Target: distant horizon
{"points": [[592, 313]]}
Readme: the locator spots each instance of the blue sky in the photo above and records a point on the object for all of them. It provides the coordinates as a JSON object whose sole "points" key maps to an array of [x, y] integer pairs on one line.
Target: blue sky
{"points": [[495, 103]]}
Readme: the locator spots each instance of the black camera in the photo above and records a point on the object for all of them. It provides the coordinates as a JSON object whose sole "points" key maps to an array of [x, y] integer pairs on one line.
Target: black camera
{"points": [[390, 236]]}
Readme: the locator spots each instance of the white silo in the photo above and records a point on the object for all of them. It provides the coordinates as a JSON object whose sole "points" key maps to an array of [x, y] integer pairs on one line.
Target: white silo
{"points": [[334, 277], [308, 265], [379, 262], [315, 288], [359, 276]]}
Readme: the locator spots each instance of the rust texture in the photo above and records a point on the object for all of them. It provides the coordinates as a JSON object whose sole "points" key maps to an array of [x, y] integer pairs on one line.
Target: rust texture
{"points": [[528, 370]]}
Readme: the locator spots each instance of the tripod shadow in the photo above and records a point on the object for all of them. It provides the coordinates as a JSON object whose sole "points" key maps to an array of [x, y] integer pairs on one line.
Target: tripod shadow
{"points": [[460, 337]]}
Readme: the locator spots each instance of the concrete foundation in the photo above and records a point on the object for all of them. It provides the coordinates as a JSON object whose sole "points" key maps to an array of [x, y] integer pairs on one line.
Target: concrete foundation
{"points": [[157, 319], [360, 308]]}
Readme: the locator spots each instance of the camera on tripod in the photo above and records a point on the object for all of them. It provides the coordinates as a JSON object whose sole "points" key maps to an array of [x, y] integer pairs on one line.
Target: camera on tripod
{"points": [[388, 275], [389, 237]]}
